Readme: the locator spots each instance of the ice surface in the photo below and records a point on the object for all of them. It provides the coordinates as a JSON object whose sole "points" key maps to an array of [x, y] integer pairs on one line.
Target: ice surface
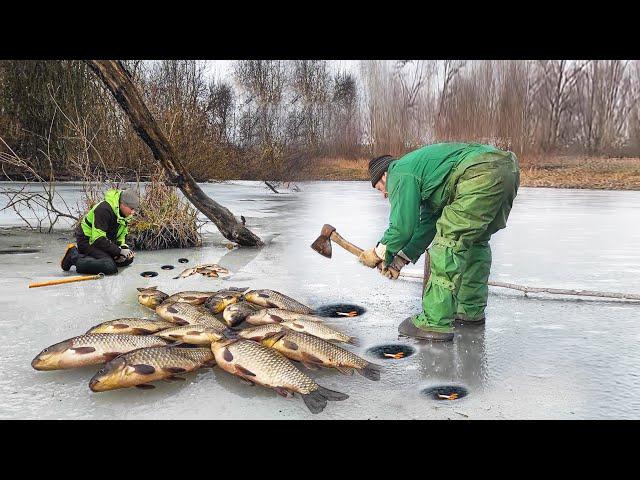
{"points": [[535, 358]]}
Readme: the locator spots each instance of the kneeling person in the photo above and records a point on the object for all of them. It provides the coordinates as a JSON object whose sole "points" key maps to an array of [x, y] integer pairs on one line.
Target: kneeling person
{"points": [[101, 235]]}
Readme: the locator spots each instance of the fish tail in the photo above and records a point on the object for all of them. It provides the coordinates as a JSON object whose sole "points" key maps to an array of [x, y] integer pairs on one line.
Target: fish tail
{"points": [[315, 401], [370, 371], [332, 395]]}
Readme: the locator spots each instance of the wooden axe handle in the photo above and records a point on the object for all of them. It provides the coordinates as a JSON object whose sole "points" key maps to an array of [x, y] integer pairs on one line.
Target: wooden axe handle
{"points": [[348, 246], [351, 248]]}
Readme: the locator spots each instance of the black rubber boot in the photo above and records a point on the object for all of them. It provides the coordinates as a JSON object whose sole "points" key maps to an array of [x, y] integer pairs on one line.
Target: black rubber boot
{"points": [[408, 329], [464, 320], [87, 264], [70, 257]]}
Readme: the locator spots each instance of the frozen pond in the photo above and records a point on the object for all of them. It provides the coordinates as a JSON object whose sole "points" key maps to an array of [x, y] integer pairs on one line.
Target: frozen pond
{"points": [[535, 358]]}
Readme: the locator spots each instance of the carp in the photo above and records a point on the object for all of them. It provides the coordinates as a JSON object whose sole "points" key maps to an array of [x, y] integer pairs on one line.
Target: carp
{"points": [[131, 326], [273, 299], [151, 297], [91, 349], [139, 367], [256, 363], [278, 315]]}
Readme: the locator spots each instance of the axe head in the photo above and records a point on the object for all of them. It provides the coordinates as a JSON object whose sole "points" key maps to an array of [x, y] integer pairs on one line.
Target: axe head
{"points": [[322, 245]]}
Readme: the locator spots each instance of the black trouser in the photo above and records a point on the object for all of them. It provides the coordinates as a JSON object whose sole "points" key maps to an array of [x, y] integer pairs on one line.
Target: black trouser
{"points": [[93, 260]]}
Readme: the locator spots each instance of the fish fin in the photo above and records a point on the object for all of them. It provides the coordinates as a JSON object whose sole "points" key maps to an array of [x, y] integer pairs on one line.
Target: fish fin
{"points": [[283, 392], [230, 334], [290, 345], [243, 371], [211, 363], [248, 382], [226, 354], [83, 350], [110, 356], [353, 341], [173, 378], [299, 325], [263, 295], [331, 395], [174, 369], [309, 358], [311, 366], [345, 370], [179, 321], [370, 371], [144, 369], [120, 325], [314, 401], [271, 304], [141, 331], [172, 309], [142, 289], [193, 332], [145, 386], [277, 318]]}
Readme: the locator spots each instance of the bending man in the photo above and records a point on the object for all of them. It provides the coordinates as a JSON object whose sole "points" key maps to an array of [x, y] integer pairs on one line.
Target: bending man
{"points": [[455, 195], [101, 235]]}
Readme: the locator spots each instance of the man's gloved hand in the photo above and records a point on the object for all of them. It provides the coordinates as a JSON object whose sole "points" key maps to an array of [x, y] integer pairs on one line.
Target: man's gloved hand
{"points": [[126, 252], [392, 271], [369, 258]]}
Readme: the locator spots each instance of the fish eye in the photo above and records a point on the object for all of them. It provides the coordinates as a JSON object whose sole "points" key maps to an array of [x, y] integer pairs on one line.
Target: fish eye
{"points": [[45, 350]]}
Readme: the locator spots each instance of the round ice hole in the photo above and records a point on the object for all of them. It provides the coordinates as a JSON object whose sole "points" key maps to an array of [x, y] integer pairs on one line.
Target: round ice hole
{"points": [[446, 392], [167, 267], [183, 260], [10, 251], [391, 351], [149, 274], [340, 310]]}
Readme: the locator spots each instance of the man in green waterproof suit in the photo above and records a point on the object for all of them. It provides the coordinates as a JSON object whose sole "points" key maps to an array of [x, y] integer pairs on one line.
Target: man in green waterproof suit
{"points": [[101, 235], [455, 195]]}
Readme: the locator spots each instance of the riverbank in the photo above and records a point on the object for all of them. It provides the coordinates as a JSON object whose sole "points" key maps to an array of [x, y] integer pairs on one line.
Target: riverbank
{"points": [[554, 172]]}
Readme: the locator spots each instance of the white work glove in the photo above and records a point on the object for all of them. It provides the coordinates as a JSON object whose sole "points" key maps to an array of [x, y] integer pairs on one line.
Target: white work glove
{"points": [[371, 258], [392, 271], [126, 252]]}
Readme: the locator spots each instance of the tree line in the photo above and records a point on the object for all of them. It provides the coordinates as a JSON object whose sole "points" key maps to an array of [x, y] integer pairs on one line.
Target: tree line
{"points": [[268, 119]]}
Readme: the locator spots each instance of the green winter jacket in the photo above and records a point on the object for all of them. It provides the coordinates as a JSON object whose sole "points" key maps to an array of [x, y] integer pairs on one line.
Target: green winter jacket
{"points": [[419, 185], [104, 224]]}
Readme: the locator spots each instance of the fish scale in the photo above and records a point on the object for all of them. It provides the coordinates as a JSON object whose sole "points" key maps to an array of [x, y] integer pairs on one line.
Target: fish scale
{"points": [[330, 353], [184, 333], [167, 356], [115, 340], [271, 298], [269, 366], [191, 314], [131, 326], [277, 315]]}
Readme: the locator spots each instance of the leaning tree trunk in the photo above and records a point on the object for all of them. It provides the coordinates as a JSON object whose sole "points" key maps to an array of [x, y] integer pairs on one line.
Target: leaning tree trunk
{"points": [[119, 82]]}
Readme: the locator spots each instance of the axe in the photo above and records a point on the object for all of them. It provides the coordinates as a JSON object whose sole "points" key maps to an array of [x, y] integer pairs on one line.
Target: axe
{"points": [[322, 245]]}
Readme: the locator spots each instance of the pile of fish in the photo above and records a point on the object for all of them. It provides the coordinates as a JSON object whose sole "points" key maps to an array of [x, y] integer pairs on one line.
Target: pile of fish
{"points": [[256, 335]]}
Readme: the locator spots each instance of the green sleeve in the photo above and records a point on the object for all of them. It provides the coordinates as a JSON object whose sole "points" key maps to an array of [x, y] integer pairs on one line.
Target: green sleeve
{"points": [[405, 201], [422, 235]]}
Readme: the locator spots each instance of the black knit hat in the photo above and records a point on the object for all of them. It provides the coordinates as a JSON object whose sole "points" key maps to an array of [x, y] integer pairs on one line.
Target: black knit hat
{"points": [[378, 166]]}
